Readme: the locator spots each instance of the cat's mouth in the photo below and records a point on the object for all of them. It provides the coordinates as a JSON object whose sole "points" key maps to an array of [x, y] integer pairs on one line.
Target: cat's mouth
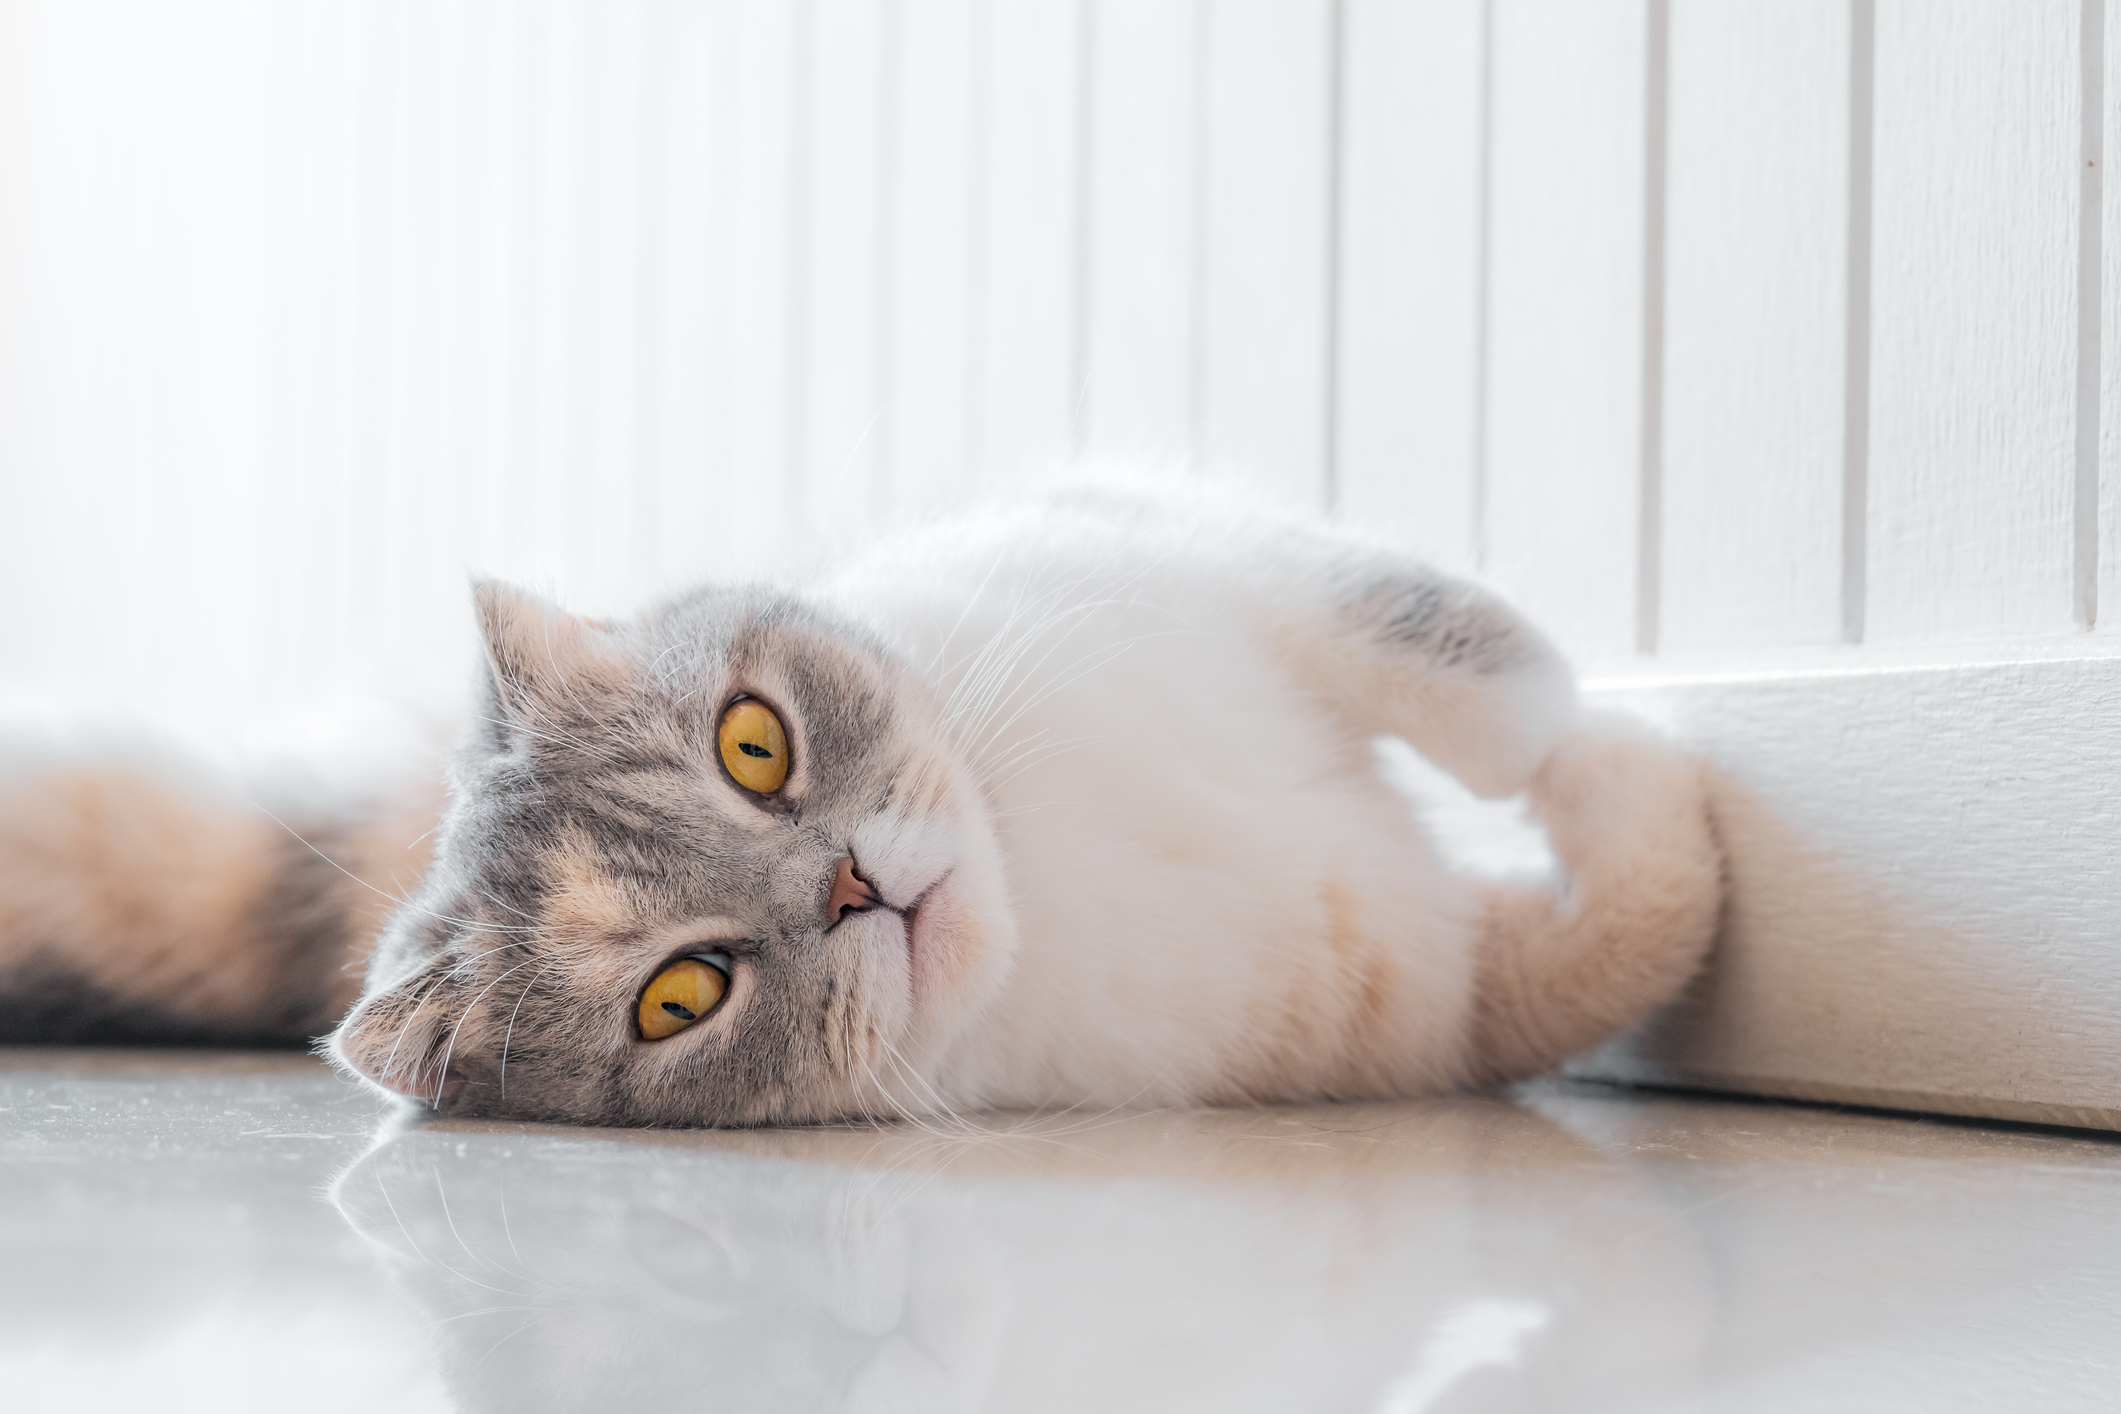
{"points": [[918, 920]]}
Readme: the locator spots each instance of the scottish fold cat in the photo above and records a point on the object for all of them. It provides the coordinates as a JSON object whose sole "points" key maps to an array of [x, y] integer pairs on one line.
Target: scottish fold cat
{"points": [[1073, 803]]}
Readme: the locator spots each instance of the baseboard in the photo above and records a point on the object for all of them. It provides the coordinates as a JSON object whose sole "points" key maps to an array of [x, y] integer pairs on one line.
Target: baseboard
{"points": [[1925, 889]]}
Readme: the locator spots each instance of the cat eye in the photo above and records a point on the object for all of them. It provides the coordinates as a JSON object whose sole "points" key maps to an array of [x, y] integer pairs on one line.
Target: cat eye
{"points": [[754, 747], [682, 993]]}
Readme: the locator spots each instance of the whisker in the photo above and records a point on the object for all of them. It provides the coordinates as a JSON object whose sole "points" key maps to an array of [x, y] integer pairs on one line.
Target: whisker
{"points": [[509, 1035], [469, 1008]]}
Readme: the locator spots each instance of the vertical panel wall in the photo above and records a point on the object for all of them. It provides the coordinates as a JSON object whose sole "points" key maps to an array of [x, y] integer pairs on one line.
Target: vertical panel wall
{"points": [[135, 326], [1026, 396], [1564, 416], [1973, 318], [683, 520], [1755, 312], [1141, 228], [1411, 274], [1266, 242], [935, 294], [847, 113], [1703, 326], [764, 67]]}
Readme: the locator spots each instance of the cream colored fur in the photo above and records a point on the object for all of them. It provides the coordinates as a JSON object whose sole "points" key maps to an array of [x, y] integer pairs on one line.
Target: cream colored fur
{"points": [[172, 902], [157, 889]]}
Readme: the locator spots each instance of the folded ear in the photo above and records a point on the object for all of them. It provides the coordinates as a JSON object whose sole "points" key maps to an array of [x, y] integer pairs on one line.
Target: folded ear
{"points": [[540, 657], [398, 1038]]}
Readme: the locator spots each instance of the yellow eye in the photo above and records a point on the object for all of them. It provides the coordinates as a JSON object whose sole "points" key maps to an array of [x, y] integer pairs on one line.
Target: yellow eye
{"points": [[681, 994], [754, 747]]}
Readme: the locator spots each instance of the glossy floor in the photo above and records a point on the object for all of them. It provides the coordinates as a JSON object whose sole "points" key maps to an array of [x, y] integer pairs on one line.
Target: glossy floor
{"points": [[202, 1231]]}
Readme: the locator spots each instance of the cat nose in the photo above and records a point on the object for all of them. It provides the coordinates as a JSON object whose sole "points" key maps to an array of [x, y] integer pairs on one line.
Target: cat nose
{"points": [[850, 893]]}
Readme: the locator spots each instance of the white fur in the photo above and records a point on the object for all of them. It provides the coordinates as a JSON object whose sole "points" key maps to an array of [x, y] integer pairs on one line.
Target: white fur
{"points": [[1215, 895]]}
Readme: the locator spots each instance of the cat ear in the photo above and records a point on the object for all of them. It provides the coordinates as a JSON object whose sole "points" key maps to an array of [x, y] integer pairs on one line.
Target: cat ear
{"points": [[399, 1038], [540, 656]]}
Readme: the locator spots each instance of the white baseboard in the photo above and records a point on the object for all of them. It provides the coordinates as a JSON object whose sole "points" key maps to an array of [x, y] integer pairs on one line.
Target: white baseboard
{"points": [[1925, 890]]}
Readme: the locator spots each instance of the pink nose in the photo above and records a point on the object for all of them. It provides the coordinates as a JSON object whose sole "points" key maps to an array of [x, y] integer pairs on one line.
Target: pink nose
{"points": [[850, 893]]}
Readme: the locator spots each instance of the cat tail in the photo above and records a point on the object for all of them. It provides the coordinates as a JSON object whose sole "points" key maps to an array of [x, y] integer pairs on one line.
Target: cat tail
{"points": [[145, 899], [1563, 966]]}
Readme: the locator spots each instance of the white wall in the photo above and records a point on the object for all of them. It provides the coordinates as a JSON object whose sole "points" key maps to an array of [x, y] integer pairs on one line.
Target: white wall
{"points": [[1709, 327]]}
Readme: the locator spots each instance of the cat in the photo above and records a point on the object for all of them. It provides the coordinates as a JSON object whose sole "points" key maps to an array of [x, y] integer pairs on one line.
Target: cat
{"points": [[1071, 803]]}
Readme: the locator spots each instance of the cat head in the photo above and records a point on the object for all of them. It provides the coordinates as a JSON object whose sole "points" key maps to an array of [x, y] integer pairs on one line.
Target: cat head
{"points": [[724, 864]]}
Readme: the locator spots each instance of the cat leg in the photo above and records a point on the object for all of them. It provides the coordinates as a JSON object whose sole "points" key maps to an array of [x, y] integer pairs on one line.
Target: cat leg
{"points": [[1561, 968], [1398, 648]]}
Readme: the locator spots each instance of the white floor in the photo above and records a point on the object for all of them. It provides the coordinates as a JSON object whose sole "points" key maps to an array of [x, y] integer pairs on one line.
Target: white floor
{"points": [[209, 1231]]}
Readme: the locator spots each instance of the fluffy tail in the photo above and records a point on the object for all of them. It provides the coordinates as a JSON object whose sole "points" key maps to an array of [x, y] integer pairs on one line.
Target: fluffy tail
{"points": [[145, 902], [1564, 968]]}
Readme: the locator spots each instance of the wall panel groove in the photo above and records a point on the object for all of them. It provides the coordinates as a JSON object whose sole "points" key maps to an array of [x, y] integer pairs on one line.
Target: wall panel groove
{"points": [[2110, 336], [2091, 106], [1649, 548], [1856, 363]]}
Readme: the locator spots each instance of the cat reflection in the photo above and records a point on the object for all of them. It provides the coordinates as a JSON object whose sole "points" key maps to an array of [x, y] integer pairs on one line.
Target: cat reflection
{"points": [[1359, 1258]]}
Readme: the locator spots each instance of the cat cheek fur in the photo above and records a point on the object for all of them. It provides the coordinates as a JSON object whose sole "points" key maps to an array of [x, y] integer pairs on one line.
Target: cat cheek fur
{"points": [[954, 951], [400, 1037]]}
